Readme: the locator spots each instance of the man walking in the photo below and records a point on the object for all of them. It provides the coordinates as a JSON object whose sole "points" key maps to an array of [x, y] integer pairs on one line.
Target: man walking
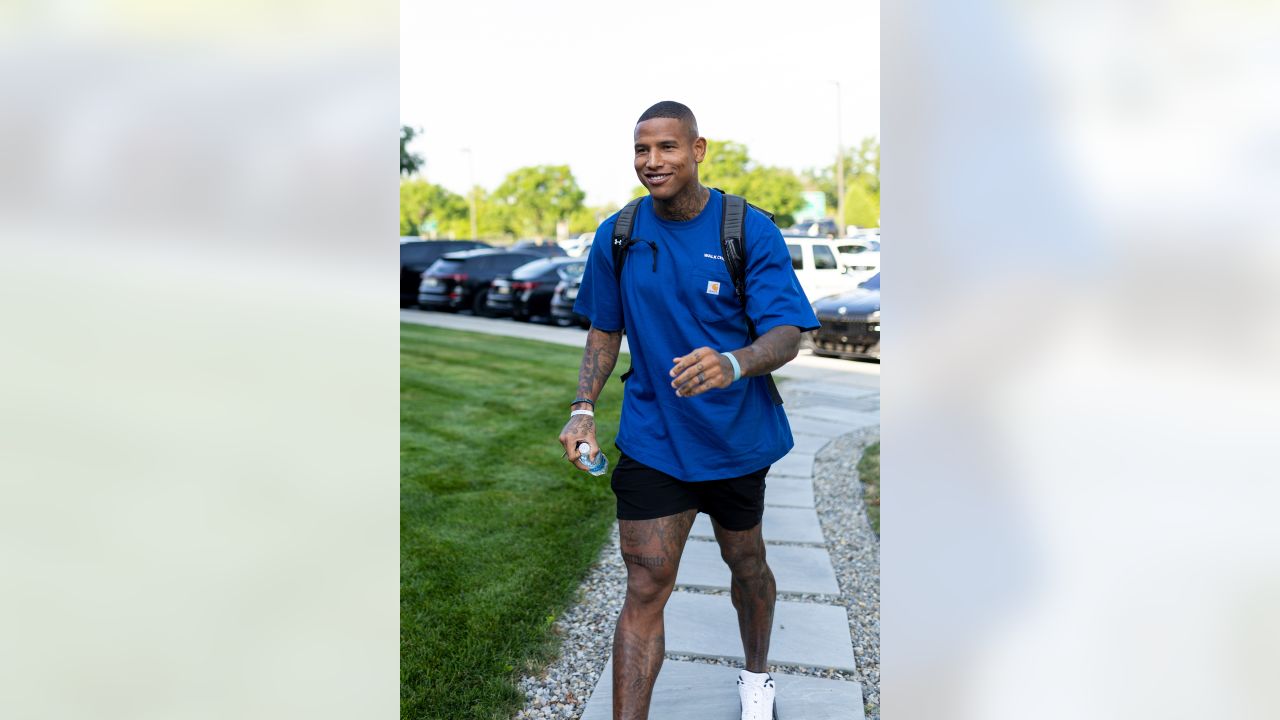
{"points": [[699, 426]]}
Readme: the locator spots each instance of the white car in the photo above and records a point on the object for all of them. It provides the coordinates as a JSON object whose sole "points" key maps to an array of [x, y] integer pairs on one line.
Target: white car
{"points": [[817, 265], [577, 247], [859, 256]]}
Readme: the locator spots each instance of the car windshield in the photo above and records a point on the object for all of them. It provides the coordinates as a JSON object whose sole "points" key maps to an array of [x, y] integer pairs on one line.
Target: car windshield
{"points": [[572, 271], [871, 283], [532, 270]]}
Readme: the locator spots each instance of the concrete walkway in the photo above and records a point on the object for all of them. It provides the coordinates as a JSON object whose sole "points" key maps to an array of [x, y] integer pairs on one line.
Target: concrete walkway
{"points": [[839, 397]]}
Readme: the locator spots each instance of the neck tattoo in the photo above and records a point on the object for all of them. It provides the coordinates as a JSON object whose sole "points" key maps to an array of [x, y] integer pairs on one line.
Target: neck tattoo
{"points": [[684, 206]]}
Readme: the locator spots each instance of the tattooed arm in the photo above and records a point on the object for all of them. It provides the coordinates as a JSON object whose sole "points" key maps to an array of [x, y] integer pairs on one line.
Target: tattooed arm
{"points": [[598, 359], [706, 369]]}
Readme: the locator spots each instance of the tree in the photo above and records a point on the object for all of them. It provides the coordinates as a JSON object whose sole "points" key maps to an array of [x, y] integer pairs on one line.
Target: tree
{"points": [[729, 167], [861, 165], [410, 163], [861, 206], [587, 219], [532, 200], [421, 201]]}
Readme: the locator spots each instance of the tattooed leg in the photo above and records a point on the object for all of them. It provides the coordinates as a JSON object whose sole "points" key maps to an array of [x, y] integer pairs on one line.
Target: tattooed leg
{"points": [[651, 550], [752, 588]]}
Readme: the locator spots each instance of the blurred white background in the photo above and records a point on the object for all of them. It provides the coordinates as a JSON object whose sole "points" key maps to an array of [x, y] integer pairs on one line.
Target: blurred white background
{"points": [[199, 449], [1079, 398], [198, 441]]}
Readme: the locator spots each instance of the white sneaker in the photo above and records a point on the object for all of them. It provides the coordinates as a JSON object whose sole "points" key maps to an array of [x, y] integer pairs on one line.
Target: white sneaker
{"points": [[757, 700]]}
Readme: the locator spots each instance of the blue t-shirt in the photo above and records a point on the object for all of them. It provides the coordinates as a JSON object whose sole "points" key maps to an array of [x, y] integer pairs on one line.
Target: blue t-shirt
{"points": [[676, 296]]}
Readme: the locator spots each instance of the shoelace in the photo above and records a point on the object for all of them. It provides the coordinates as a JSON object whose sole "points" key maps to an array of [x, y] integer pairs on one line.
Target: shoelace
{"points": [[756, 693]]}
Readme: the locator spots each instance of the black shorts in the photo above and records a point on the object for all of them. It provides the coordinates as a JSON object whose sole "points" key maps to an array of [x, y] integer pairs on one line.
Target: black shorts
{"points": [[645, 493]]}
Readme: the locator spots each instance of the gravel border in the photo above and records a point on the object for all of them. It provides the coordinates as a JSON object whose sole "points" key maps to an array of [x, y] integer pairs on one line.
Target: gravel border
{"points": [[586, 628]]}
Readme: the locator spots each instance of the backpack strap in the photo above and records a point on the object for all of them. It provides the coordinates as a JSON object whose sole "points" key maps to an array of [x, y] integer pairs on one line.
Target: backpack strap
{"points": [[733, 222], [620, 244], [622, 228]]}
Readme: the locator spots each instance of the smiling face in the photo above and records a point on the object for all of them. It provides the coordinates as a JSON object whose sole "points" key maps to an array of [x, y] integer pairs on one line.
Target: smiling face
{"points": [[667, 157]]}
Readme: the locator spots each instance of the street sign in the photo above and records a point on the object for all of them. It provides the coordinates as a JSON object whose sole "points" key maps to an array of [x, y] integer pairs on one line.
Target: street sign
{"points": [[815, 206]]}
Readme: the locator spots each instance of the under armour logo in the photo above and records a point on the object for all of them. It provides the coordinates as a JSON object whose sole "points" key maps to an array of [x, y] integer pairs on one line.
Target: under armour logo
{"points": [[618, 241]]}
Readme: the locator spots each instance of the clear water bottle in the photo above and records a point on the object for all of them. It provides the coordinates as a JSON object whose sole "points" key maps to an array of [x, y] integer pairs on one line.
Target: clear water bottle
{"points": [[601, 465]]}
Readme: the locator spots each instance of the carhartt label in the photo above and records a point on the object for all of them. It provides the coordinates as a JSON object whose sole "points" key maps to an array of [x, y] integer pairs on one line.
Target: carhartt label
{"points": [[713, 287]]}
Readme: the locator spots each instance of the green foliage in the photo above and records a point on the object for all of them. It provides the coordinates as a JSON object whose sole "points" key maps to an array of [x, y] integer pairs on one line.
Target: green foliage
{"points": [[587, 219], [869, 474], [421, 201], [488, 224], [410, 163], [729, 167], [861, 206], [861, 165], [532, 200], [496, 529]]}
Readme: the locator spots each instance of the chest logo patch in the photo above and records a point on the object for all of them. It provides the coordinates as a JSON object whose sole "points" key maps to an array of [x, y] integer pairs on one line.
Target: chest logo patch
{"points": [[713, 287]]}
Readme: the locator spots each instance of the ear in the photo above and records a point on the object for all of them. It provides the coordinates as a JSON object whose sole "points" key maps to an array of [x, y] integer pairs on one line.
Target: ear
{"points": [[699, 149]]}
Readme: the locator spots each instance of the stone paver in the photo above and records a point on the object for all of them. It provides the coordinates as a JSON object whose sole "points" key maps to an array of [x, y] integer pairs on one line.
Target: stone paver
{"points": [[841, 416], [831, 390], [809, 634], [821, 428], [695, 691], [786, 491], [781, 524], [808, 444], [795, 465], [795, 569]]}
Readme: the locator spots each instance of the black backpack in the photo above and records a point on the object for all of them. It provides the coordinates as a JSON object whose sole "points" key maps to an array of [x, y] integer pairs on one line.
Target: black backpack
{"points": [[732, 249]]}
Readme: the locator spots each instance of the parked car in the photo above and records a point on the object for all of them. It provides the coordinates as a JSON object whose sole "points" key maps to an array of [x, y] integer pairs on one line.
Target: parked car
{"points": [[461, 280], [850, 323], [416, 255], [579, 246], [860, 257], [818, 267], [539, 247], [526, 293], [562, 299], [826, 227]]}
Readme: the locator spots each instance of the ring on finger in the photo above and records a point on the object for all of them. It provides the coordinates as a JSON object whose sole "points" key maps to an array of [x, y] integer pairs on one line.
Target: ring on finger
{"points": [[701, 378]]}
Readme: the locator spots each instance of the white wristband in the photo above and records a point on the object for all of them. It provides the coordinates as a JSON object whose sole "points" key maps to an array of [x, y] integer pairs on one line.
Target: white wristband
{"points": [[737, 369], [583, 412]]}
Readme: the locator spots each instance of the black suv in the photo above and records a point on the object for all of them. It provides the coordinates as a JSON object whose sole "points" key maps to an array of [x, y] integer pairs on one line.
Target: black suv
{"points": [[461, 280], [527, 291], [417, 255]]}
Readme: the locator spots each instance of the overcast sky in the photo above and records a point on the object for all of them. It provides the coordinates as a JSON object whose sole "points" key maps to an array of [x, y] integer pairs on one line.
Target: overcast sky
{"points": [[532, 83]]}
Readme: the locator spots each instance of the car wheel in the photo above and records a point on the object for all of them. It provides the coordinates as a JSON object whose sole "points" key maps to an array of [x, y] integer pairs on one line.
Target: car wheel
{"points": [[480, 306]]}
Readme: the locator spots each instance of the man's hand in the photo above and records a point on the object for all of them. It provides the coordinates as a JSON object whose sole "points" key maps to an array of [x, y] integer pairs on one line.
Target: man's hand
{"points": [[701, 370], [579, 429]]}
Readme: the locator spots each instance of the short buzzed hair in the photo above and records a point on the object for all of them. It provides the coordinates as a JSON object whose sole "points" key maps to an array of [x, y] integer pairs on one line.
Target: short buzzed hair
{"points": [[672, 109]]}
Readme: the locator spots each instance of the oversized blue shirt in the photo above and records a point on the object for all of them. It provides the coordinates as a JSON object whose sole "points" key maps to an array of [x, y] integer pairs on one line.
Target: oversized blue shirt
{"points": [[675, 297]]}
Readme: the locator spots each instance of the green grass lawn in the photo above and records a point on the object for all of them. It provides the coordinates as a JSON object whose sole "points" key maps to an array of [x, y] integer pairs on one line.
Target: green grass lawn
{"points": [[869, 473], [496, 529]]}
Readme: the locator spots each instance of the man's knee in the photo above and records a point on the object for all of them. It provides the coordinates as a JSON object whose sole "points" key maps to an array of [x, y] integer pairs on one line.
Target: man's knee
{"points": [[745, 562], [649, 583]]}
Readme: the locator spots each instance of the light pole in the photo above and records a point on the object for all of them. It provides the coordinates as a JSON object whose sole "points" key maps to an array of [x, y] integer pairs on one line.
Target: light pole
{"points": [[471, 191], [839, 165]]}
